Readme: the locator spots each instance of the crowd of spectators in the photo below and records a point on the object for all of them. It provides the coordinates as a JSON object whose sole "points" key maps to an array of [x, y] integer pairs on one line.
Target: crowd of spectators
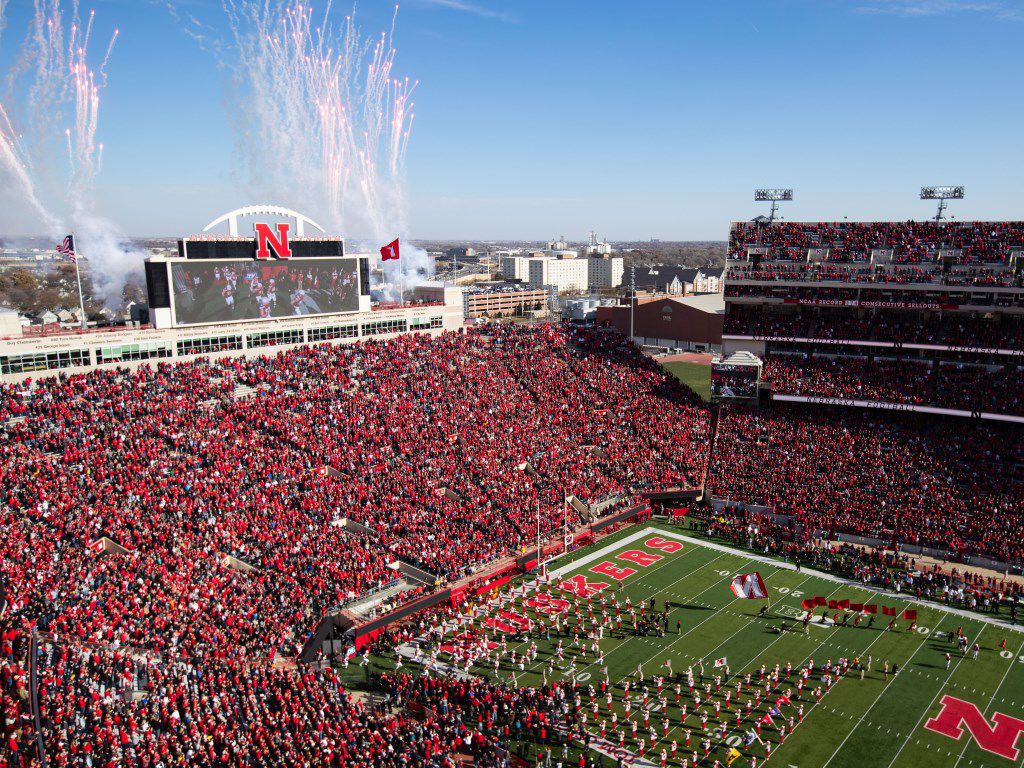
{"points": [[884, 566], [443, 447], [998, 277], [950, 329], [949, 484], [911, 242], [980, 252], [174, 533], [975, 388]]}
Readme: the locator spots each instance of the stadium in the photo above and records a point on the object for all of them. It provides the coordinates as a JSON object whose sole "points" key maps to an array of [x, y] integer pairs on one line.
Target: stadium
{"points": [[289, 526]]}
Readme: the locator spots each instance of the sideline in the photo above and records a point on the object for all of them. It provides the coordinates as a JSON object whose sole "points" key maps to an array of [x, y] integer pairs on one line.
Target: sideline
{"points": [[961, 612], [603, 551]]}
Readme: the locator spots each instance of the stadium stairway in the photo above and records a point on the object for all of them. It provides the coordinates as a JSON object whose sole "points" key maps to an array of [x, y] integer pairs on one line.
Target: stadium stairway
{"points": [[364, 609], [243, 391], [715, 416]]}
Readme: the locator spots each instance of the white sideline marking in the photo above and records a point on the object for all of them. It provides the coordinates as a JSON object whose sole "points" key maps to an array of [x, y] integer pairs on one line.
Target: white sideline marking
{"points": [[990, 702], [588, 559], [878, 698], [867, 587], [932, 703]]}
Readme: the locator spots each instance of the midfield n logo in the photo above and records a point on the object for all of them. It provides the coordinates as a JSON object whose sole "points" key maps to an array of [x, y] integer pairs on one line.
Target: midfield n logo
{"points": [[999, 739]]}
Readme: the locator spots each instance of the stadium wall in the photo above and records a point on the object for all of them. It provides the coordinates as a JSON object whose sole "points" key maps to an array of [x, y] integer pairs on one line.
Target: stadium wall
{"points": [[32, 356]]}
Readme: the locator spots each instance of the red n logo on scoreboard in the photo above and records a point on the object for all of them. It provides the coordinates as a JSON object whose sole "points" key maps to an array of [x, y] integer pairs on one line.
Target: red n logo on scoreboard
{"points": [[999, 739], [278, 243]]}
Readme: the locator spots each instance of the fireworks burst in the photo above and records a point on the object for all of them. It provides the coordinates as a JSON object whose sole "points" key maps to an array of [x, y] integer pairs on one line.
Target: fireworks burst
{"points": [[326, 120], [57, 95]]}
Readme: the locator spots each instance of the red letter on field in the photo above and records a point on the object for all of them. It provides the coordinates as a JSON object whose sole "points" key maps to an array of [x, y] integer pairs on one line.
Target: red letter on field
{"points": [[607, 569], [999, 738], [663, 544], [639, 557], [578, 585]]}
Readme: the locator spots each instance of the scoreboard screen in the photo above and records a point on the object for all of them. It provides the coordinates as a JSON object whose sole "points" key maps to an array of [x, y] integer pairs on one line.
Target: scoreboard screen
{"points": [[221, 291], [246, 249], [728, 380]]}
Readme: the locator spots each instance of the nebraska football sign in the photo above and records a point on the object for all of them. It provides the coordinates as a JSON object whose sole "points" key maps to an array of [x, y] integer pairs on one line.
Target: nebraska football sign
{"points": [[999, 738]]}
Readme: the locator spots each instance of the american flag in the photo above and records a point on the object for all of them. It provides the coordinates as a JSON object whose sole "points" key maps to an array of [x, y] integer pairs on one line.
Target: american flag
{"points": [[67, 248]]}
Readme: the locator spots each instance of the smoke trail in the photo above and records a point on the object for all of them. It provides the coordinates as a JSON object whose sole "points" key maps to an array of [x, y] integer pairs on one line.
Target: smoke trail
{"points": [[60, 97], [320, 114]]}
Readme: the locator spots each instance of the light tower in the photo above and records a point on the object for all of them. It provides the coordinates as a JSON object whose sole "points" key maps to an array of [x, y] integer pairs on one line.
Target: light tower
{"points": [[775, 196], [942, 194]]}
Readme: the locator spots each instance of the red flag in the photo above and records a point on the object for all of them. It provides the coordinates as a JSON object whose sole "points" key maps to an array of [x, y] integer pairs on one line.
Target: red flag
{"points": [[857, 607], [910, 614], [844, 604], [871, 608], [888, 611], [389, 251], [807, 603], [820, 601], [833, 604], [750, 586]]}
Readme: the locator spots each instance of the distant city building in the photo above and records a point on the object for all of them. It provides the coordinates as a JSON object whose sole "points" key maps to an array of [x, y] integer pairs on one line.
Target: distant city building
{"points": [[597, 247], [563, 270], [564, 274], [504, 300], [514, 267], [604, 271], [679, 281], [678, 322]]}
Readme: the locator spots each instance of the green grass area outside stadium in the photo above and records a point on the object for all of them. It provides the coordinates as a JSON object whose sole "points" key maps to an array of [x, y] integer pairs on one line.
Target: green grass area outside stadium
{"points": [[875, 721]]}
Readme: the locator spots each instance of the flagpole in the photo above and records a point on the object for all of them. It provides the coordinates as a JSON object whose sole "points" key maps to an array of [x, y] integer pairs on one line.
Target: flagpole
{"points": [[78, 277]]}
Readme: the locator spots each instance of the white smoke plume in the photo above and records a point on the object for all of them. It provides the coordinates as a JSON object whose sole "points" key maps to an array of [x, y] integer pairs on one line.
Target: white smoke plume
{"points": [[54, 93], [319, 114]]}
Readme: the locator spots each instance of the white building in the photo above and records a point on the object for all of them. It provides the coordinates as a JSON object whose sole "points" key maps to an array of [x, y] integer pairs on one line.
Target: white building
{"points": [[604, 271], [563, 274], [597, 247], [514, 267]]}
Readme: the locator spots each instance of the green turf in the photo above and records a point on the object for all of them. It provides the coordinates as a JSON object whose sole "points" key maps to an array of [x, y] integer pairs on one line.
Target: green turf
{"points": [[694, 375], [877, 721]]}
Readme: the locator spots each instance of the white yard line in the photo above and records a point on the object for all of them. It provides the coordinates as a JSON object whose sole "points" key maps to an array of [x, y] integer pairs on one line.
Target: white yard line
{"points": [[881, 693], [622, 643], [991, 701], [931, 703], [711, 653], [603, 552], [961, 612]]}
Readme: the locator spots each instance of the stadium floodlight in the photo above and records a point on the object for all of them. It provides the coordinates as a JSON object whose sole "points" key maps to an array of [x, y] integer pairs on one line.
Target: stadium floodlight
{"points": [[942, 194], [775, 196]]}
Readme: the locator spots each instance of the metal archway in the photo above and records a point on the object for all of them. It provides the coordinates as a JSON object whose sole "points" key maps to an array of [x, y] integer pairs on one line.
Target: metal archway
{"points": [[231, 217]]}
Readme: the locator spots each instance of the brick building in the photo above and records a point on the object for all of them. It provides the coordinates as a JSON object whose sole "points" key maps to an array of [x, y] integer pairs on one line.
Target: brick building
{"points": [[683, 322]]}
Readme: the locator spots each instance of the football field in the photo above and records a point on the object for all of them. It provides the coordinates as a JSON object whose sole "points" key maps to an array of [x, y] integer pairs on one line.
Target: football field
{"points": [[911, 718]]}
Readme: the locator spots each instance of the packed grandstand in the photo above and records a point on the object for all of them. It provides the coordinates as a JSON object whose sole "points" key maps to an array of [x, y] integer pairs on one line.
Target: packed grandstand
{"points": [[175, 533]]}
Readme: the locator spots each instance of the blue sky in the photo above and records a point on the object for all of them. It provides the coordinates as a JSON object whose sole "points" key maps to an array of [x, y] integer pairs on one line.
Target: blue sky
{"points": [[643, 119]]}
